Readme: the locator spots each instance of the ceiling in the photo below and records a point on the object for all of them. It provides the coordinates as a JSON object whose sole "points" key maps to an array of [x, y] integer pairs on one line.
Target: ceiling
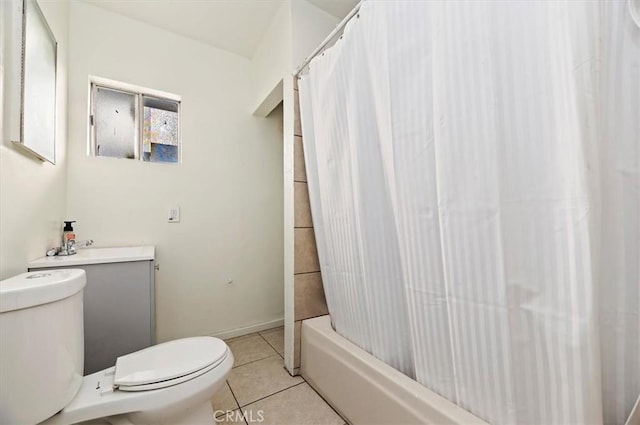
{"points": [[233, 25]]}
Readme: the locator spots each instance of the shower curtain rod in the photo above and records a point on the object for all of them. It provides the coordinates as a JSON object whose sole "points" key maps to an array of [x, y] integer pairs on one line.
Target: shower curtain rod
{"points": [[356, 9], [327, 40]]}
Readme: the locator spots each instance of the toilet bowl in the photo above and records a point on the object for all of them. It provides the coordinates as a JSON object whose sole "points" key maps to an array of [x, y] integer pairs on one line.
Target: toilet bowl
{"points": [[169, 383], [41, 360]]}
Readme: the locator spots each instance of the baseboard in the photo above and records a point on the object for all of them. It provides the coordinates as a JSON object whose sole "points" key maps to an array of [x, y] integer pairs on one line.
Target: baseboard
{"points": [[249, 329]]}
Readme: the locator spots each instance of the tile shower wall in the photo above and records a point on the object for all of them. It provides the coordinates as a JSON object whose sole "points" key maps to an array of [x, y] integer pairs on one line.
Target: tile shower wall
{"points": [[309, 300]]}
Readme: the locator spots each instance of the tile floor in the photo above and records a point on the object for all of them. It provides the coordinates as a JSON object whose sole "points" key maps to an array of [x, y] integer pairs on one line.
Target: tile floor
{"points": [[259, 390]]}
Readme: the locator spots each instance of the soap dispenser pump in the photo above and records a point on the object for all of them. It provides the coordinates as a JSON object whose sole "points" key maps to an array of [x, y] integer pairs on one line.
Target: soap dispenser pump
{"points": [[68, 235]]}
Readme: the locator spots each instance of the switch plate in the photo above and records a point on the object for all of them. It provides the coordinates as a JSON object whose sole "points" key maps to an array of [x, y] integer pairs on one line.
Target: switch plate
{"points": [[173, 215]]}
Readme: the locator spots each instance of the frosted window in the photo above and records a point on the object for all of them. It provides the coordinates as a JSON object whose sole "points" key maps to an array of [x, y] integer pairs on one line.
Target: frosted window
{"points": [[132, 123], [115, 123], [160, 130]]}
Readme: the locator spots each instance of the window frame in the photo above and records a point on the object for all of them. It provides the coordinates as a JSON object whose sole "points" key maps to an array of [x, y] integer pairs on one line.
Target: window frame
{"points": [[139, 93]]}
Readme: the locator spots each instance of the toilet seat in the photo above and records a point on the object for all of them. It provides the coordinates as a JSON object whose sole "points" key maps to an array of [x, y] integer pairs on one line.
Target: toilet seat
{"points": [[168, 364], [99, 396], [168, 383]]}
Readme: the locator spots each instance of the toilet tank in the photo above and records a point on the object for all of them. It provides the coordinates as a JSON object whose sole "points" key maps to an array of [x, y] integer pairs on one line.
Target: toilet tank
{"points": [[41, 344]]}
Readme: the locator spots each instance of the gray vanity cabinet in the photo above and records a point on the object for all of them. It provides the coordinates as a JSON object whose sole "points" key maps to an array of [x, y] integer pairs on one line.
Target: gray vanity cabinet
{"points": [[119, 311]]}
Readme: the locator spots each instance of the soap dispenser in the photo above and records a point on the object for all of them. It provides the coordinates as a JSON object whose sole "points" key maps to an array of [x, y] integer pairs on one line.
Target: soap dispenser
{"points": [[68, 235]]}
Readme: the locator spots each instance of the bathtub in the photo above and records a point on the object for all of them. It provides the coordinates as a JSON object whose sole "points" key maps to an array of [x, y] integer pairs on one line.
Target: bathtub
{"points": [[363, 389]]}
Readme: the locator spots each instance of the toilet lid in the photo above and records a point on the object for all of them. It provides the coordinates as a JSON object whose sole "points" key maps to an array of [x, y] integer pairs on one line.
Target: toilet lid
{"points": [[168, 361]]}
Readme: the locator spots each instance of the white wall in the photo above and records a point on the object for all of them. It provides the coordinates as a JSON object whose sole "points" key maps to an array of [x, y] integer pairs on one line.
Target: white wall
{"points": [[295, 31], [32, 193], [310, 26], [228, 186], [271, 61]]}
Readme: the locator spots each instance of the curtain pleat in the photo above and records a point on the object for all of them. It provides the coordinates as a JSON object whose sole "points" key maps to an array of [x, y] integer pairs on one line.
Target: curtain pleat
{"points": [[473, 171]]}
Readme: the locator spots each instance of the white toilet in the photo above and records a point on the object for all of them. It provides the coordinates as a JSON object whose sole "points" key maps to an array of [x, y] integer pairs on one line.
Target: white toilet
{"points": [[41, 364]]}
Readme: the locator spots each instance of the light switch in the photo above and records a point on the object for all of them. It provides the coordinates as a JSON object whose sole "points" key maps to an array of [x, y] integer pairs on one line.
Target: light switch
{"points": [[173, 215]]}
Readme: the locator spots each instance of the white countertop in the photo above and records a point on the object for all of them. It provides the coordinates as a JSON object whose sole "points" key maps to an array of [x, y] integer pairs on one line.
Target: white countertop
{"points": [[96, 256]]}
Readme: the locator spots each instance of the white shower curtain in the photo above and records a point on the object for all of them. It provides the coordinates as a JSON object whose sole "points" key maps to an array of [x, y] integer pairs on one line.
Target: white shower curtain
{"points": [[473, 169]]}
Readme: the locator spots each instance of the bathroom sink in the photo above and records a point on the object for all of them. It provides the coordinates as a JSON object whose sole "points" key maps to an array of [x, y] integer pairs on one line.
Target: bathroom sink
{"points": [[96, 256], [119, 300]]}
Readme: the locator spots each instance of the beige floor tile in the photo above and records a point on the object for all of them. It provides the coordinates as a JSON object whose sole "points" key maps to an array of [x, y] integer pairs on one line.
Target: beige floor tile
{"points": [[299, 405], [249, 348], [233, 417], [260, 379], [275, 338], [223, 401]]}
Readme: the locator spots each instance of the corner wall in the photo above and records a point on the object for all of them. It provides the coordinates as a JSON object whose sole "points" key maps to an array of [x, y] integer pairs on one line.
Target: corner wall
{"points": [[271, 61], [310, 25], [32, 193]]}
